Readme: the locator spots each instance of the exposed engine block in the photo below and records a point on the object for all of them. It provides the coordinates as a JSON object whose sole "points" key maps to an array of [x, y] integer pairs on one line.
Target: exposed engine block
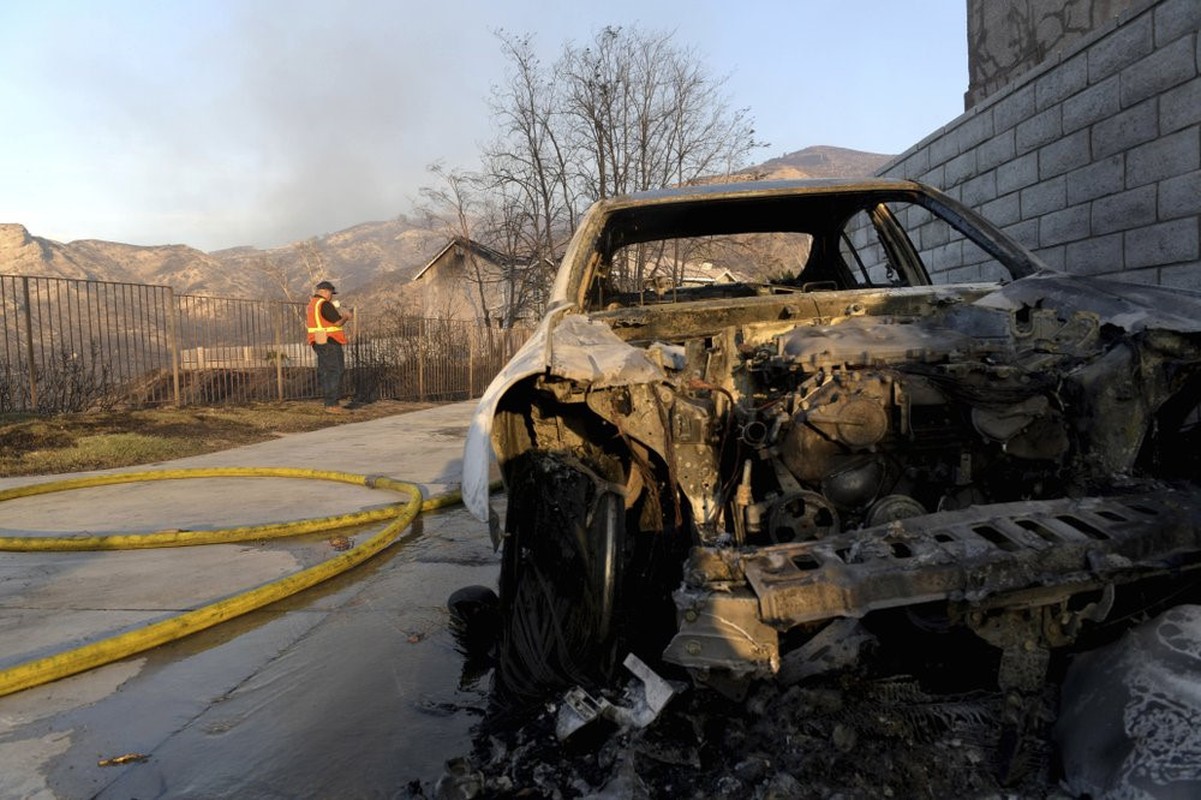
{"points": [[864, 422]]}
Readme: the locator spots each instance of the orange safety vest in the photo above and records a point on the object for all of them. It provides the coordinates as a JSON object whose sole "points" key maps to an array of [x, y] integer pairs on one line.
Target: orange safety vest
{"points": [[318, 323]]}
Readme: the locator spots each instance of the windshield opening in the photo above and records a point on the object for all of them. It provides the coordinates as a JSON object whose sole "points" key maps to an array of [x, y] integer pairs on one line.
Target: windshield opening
{"points": [[873, 243]]}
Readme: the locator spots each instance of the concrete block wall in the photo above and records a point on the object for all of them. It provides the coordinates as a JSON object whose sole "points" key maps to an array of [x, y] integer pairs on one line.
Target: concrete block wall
{"points": [[1008, 37], [1094, 159]]}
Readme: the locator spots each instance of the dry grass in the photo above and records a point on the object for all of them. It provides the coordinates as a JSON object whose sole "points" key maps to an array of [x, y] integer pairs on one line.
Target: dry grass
{"points": [[103, 440]]}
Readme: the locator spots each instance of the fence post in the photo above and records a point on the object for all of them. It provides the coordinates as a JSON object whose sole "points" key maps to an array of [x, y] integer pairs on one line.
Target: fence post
{"points": [[421, 361], [277, 317], [33, 379], [355, 351], [472, 332], [173, 343]]}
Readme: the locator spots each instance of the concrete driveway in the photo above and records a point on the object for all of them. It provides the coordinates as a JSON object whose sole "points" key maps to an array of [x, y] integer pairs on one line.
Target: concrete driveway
{"points": [[352, 689]]}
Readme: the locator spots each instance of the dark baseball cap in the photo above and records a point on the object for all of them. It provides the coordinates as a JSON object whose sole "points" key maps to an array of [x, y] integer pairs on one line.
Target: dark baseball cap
{"points": [[327, 285]]}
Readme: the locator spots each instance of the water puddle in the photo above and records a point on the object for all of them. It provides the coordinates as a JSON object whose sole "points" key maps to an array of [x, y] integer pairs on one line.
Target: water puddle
{"points": [[354, 689]]}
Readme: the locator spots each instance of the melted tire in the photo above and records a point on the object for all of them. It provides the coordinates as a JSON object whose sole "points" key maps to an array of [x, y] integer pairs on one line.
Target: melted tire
{"points": [[560, 574]]}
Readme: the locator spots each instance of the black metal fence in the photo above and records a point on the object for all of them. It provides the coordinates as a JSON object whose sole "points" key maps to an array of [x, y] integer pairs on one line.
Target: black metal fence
{"points": [[73, 345]]}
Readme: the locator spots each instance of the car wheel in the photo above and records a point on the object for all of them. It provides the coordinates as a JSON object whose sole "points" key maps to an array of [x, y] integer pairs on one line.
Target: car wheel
{"points": [[560, 577]]}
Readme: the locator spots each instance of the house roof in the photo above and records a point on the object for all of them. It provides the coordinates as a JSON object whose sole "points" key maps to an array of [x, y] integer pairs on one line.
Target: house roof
{"points": [[695, 273], [481, 250]]}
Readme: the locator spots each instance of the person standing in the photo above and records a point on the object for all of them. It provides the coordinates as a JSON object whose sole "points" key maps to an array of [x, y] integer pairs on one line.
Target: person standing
{"points": [[325, 321]]}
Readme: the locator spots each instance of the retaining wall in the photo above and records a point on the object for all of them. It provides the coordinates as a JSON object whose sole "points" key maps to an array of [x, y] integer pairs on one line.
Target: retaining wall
{"points": [[1093, 159]]}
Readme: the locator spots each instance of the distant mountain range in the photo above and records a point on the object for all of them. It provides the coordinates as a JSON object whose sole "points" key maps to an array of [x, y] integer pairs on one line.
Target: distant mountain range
{"points": [[373, 258], [824, 162]]}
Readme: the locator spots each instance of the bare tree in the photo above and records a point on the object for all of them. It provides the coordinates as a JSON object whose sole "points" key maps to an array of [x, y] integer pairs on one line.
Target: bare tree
{"points": [[292, 272], [276, 274], [313, 263], [528, 269], [485, 217], [456, 203], [629, 111], [529, 166]]}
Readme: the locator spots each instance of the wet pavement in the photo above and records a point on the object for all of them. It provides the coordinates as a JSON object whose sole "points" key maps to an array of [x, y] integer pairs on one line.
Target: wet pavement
{"points": [[353, 689]]}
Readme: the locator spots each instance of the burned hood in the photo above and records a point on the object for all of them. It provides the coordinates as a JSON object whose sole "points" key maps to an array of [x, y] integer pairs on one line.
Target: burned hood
{"points": [[589, 352], [1132, 307]]}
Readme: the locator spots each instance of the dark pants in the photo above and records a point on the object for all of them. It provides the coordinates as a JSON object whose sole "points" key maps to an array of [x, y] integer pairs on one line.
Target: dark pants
{"points": [[330, 363]]}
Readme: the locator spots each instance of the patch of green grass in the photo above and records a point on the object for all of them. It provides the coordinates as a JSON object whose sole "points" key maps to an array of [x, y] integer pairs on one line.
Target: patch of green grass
{"points": [[109, 449]]}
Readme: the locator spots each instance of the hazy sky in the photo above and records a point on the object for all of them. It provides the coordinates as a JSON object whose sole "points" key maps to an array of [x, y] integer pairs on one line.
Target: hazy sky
{"points": [[218, 123]]}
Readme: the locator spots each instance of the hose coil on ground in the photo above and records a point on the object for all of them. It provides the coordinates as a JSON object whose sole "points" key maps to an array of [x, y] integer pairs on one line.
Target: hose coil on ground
{"points": [[89, 656]]}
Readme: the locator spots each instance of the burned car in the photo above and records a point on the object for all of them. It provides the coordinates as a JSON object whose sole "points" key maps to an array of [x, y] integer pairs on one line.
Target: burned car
{"points": [[756, 411]]}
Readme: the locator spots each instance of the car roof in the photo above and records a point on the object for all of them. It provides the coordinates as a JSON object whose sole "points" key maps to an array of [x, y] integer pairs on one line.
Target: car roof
{"points": [[752, 189], [802, 206], [749, 207]]}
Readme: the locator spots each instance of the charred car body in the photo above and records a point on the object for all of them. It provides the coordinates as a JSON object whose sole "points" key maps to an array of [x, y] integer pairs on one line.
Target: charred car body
{"points": [[756, 409]]}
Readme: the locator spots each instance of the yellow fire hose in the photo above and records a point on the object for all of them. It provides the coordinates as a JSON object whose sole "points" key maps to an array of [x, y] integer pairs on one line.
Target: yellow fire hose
{"points": [[89, 656]]}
